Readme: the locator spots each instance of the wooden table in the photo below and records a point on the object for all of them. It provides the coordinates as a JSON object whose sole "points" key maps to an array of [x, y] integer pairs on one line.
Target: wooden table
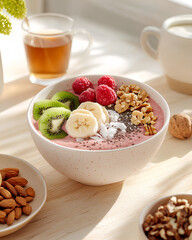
{"points": [[74, 211]]}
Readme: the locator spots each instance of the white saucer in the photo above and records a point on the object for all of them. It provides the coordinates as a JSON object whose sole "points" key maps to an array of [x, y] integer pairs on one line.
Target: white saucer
{"points": [[35, 180]]}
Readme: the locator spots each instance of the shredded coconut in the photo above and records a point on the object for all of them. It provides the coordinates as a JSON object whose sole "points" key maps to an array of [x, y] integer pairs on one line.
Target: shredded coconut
{"points": [[108, 130], [79, 139], [111, 132], [113, 115], [118, 125], [97, 138], [103, 130]]}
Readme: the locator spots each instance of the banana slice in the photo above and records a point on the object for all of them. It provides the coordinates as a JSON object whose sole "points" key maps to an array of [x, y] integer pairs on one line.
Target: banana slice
{"points": [[80, 125], [83, 111], [96, 109], [106, 114]]}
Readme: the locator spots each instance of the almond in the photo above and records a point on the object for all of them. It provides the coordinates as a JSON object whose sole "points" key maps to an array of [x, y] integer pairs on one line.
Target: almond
{"points": [[8, 210], [18, 213], [3, 184], [21, 201], [10, 217], [10, 188], [21, 191], [2, 214], [3, 220], [7, 203], [10, 172], [5, 193], [2, 175], [14, 198], [28, 199], [17, 205], [30, 192], [27, 209], [1, 179], [17, 181]]}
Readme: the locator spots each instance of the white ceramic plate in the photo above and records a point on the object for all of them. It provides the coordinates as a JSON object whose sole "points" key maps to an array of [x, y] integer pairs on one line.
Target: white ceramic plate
{"points": [[35, 180]]}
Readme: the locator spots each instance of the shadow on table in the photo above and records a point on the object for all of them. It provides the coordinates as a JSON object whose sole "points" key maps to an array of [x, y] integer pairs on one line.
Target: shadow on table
{"points": [[83, 207], [18, 91], [172, 180]]}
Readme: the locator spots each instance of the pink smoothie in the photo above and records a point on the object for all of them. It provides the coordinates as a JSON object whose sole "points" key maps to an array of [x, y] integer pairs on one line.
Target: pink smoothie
{"points": [[120, 140]]}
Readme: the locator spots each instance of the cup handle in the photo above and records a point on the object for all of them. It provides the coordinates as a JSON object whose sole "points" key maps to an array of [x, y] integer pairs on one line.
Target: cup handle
{"points": [[83, 32], [153, 31], [1, 76]]}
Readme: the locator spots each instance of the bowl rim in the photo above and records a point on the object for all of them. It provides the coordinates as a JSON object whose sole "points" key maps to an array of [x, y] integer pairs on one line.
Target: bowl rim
{"points": [[149, 206], [51, 86], [33, 214]]}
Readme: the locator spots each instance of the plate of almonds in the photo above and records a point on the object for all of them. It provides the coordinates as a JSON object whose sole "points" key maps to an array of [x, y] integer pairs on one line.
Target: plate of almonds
{"points": [[23, 192]]}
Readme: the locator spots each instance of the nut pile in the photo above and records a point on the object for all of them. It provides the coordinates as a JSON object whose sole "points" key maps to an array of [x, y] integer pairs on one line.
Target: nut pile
{"points": [[131, 97], [180, 126], [172, 221], [14, 197]]}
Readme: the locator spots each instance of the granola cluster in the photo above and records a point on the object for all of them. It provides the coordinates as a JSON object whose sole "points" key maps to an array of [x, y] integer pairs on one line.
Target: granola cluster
{"points": [[172, 221], [131, 97]]}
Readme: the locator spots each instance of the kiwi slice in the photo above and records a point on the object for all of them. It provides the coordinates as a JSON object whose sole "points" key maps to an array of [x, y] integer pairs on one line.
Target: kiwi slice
{"points": [[42, 105], [68, 98], [51, 122]]}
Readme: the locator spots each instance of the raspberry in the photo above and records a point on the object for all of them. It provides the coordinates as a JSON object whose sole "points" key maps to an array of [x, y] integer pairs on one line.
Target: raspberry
{"points": [[105, 95], [87, 95], [107, 80], [81, 84]]}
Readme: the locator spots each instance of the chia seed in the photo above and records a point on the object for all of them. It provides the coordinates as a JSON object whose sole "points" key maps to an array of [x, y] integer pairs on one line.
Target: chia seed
{"points": [[125, 118]]}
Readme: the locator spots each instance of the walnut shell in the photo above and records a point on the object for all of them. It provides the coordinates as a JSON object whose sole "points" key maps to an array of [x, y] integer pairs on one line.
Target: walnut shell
{"points": [[180, 126]]}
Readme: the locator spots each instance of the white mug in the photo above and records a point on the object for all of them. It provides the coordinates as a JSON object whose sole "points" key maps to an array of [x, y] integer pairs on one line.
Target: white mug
{"points": [[174, 50]]}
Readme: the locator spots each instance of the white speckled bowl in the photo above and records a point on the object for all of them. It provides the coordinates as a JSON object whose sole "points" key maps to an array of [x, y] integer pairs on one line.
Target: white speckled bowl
{"points": [[35, 180], [152, 207], [98, 167]]}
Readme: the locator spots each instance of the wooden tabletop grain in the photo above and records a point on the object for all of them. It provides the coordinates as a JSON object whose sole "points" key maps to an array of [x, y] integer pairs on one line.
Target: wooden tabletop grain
{"points": [[74, 211]]}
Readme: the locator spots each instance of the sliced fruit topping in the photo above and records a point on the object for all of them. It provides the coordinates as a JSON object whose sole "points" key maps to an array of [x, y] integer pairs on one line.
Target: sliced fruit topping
{"points": [[81, 84], [107, 80], [96, 109], [87, 95], [42, 105], [81, 125], [51, 122], [68, 98], [83, 111], [105, 95]]}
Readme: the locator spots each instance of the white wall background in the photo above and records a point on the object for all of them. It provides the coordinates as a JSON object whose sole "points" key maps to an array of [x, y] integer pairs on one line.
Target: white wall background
{"points": [[127, 15], [35, 6]]}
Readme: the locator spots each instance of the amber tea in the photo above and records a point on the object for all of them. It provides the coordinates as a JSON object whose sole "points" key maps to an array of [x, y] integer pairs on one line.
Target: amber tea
{"points": [[48, 40], [48, 55]]}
